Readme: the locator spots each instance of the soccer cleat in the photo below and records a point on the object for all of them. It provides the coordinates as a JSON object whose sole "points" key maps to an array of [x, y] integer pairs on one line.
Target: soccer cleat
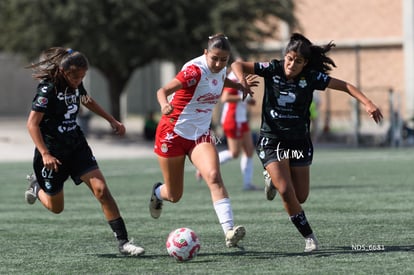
{"points": [[155, 205], [270, 189], [130, 249], [233, 236], [311, 243], [31, 193]]}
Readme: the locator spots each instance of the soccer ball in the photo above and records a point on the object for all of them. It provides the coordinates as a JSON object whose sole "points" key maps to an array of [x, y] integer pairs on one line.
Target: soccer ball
{"points": [[183, 244]]}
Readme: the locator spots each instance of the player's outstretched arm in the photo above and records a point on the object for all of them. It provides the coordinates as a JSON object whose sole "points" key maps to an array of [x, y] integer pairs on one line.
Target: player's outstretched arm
{"points": [[370, 107], [117, 126]]}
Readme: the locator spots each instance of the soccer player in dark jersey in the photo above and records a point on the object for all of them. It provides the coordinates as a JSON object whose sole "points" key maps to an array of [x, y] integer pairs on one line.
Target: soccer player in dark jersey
{"points": [[284, 146], [61, 147]]}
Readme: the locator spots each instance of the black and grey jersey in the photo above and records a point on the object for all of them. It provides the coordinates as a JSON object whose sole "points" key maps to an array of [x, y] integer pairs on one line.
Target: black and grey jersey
{"points": [[286, 102], [60, 105]]}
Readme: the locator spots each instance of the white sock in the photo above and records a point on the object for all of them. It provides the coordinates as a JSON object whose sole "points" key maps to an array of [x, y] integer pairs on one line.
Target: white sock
{"points": [[158, 192], [246, 167], [224, 214], [225, 156]]}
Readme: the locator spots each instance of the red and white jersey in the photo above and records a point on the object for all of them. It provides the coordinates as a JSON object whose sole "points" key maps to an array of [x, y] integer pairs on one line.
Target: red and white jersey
{"points": [[194, 103], [234, 112]]}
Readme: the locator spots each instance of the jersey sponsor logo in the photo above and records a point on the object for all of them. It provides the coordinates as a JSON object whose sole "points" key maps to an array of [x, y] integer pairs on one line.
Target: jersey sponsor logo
{"points": [[275, 114], [190, 72], [322, 76], [69, 99], [203, 110], [285, 98], [41, 101], [72, 109], [44, 89], [191, 82], [64, 129], [190, 75], [209, 98]]}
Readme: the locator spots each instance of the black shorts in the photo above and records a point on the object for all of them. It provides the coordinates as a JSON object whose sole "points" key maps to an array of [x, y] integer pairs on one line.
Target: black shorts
{"points": [[75, 165], [299, 152]]}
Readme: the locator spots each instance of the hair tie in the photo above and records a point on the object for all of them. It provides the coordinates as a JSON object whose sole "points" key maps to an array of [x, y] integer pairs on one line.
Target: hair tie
{"points": [[218, 36], [69, 51]]}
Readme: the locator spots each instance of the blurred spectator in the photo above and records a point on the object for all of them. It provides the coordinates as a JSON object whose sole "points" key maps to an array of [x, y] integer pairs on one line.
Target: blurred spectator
{"points": [[150, 126]]}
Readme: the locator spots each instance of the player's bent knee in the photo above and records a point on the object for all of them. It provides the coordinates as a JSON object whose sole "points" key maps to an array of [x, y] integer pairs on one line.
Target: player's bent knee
{"points": [[302, 200], [213, 176], [56, 210]]}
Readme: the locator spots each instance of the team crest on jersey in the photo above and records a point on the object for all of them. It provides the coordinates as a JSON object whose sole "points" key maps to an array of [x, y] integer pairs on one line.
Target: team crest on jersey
{"points": [[302, 83], [48, 185], [262, 154]]}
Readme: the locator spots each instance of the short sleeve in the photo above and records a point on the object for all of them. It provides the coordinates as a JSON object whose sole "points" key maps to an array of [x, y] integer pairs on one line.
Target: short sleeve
{"points": [[321, 80], [43, 96], [189, 76], [268, 69]]}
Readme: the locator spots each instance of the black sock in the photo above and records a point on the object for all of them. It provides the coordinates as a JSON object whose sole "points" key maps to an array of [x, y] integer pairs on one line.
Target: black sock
{"points": [[301, 223], [119, 229]]}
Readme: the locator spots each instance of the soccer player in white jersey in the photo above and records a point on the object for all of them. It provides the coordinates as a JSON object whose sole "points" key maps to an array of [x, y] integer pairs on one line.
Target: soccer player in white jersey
{"points": [[184, 130]]}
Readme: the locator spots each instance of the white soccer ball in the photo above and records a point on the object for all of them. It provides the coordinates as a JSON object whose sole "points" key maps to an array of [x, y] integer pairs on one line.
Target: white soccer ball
{"points": [[183, 244]]}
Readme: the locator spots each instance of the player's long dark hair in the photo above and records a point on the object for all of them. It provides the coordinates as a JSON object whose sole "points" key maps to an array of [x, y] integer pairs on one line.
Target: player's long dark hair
{"points": [[315, 55], [54, 59]]}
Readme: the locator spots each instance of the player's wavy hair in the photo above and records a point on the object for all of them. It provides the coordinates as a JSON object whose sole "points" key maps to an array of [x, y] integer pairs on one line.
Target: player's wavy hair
{"points": [[315, 55], [218, 41], [55, 59]]}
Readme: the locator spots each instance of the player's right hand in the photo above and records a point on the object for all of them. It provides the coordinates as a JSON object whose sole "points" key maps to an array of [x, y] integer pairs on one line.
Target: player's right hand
{"points": [[50, 162], [167, 109]]}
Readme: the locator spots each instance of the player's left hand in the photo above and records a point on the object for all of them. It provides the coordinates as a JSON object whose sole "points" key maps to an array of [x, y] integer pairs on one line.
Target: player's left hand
{"points": [[374, 112]]}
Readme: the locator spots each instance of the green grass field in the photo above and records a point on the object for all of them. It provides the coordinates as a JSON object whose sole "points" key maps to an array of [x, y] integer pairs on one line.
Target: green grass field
{"points": [[360, 201]]}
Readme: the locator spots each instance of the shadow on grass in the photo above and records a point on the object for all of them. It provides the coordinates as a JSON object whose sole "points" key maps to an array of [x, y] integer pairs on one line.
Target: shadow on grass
{"points": [[323, 252], [327, 252], [237, 252]]}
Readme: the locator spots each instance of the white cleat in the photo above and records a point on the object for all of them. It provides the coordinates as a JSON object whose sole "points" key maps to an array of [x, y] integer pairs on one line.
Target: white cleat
{"points": [[234, 235], [311, 243], [155, 205], [270, 190], [130, 249], [30, 194]]}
